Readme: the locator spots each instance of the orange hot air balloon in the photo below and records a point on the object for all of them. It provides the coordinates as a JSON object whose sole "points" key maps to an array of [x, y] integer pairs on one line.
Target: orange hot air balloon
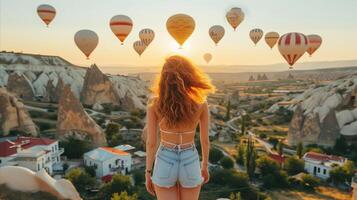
{"points": [[47, 13], [180, 27], [272, 38], [86, 41], [139, 47], [147, 36], [256, 34], [207, 57], [216, 33], [235, 16], [121, 26], [314, 42], [292, 46]]}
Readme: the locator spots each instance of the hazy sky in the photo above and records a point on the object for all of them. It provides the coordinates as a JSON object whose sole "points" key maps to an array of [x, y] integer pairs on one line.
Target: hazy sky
{"points": [[22, 30]]}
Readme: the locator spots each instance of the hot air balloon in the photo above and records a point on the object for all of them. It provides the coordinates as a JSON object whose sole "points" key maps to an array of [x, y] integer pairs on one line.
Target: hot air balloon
{"points": [[147, 36], [216, 33], [121, 26], [292, 46], [47, 13], [256, 34], [207, 57], [314, 42], [139, 47], [271, 39], [180, 27], [235, 16], [86, 41]]}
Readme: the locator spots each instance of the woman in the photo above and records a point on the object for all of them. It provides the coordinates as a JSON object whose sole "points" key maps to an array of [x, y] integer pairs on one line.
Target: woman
{"points": [[178, 107]]}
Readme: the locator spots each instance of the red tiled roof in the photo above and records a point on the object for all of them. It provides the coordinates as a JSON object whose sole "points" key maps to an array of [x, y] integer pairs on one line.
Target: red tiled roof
{"points": [[115, 151], [107, 178], [277, 158], [323, 157], [8, 148]]}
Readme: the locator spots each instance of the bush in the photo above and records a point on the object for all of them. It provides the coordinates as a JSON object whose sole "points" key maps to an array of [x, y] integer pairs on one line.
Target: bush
{"points": [[215, 155], [271, 175], [294, 166], [310, 182], [90, 170], [227, 162], [80, 179], [119, 183], [74, 147], [138, 176]]}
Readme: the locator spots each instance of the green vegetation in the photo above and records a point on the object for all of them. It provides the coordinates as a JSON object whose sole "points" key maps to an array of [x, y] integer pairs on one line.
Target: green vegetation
{"points": [[74, 147], [119, 183], [227, 162], [250, 158], [112, 134], [80, 179], [342, 174], [215, 155], [240, 155], [272, 176], [123, 196], [293, 166]]}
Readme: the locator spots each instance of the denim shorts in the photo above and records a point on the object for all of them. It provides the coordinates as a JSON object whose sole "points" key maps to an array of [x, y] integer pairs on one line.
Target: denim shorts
{"points": [[174, 165]]}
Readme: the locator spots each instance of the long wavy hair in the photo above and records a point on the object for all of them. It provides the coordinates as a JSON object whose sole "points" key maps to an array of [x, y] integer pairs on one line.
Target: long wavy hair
{"points": [[179, 89]]}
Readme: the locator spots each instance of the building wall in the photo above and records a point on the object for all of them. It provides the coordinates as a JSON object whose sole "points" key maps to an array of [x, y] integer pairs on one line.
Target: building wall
{"points": [[322, 171], [104, 168]]}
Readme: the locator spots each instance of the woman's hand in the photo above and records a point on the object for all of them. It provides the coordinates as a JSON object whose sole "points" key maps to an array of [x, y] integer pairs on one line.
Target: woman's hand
{"points": [[149, 184], [205, 174]]}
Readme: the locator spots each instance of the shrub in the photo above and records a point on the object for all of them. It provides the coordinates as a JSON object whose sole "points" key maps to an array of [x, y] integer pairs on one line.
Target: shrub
{"points": [[227, 162], [215, 155]]}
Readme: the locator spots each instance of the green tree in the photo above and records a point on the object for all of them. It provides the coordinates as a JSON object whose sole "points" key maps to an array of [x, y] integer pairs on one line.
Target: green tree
{"points": [[138, 176], [310, 182], [123, 196], [250, 157], [90, 170], [271, 175], [227, 162], [215, 155], [280, 148], [112, 134], [240, 155], [299, 150], [242, 125], [293, 166], [74, 147], [80, 179], [119, 183], [228, 112], [235, 196], [342, 174], [340, 146]]}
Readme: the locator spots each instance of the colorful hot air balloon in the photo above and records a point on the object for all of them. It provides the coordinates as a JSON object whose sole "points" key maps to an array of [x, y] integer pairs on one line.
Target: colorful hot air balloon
{"points": [[147, 36], [314, 42], [216, 33], [271, 39], [180, 27], [47, 13], [139, 47], [121, 26], [86, 41], [256, 34], [292, 46], [207, 57], [235, 16]]}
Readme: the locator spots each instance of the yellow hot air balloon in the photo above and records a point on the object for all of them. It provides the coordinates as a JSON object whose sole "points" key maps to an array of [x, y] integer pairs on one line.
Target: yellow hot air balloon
{"points": [[86, 41], [47, 13], [216, 33], [256, 34], [121, 26], [180, 27], [139, 47], [292, 46], [314, 42], [235, 16], [272, 38], [147, 36], [207, 57]]}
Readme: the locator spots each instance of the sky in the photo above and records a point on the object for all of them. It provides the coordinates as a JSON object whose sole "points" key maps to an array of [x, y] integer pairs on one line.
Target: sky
{"points": [[21, 29]]}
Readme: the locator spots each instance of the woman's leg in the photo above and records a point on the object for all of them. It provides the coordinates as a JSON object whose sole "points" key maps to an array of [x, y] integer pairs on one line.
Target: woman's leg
{"points": [[163, 193], [189, 193]]}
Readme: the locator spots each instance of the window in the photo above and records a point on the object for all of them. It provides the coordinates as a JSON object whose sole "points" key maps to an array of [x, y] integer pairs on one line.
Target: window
{"points": [[318, 170], [110, 166], [324, 171], [38, 167], [0, 161]]}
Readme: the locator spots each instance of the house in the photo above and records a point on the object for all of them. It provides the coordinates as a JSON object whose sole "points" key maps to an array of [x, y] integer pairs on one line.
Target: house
{"points": [[32, 153], [319, 165], [108, 161], [138, 157]]}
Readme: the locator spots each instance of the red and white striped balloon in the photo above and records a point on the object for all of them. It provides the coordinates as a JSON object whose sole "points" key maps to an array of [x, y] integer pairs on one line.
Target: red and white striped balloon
{"points": [[314, 42], [121, 26], [292, 46], [47, 13]]}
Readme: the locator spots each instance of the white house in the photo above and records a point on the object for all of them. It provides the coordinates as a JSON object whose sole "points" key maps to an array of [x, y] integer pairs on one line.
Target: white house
{"points": [[31, 153], [319, 165], [107, 161]]}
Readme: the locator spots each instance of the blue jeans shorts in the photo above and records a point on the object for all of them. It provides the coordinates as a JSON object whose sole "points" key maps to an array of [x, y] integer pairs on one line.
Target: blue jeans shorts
{"points": [[174, 165]]}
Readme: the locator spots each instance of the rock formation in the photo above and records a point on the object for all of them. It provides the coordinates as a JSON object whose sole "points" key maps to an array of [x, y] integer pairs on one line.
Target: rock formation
{"points": [[233, 97], [13, 115], [50, 95], [290, 77], [21, 86], [251, 78], [97, 88], [73, 120]]}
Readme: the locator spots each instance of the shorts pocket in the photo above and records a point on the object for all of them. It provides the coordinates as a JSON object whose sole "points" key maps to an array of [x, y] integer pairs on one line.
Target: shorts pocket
{"points": [[193, 169], [163, 167]]}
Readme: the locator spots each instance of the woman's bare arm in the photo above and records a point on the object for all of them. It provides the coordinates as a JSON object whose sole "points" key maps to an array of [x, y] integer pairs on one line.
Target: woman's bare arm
{"points": [[204, 136], [151, 140]]}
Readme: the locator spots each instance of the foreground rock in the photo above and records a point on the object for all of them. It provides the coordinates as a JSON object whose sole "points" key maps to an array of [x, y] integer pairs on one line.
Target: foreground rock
{"points": [[24, 180], [73, 120], [13, 115]]}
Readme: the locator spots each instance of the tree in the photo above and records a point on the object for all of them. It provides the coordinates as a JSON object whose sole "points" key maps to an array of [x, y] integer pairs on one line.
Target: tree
{"points": [[240, 155], [227, 162], [293, 166], [271, 175], [138, 176], [80, 179], [242, 126], [74, 147], [309, 181], [215, 155], [280, 148], [112, 134], [340, 146], [342, 174], [235, 196], [250, 156], [119, 183], [123, 196], [299, 150], [228, 113], [90, 170]]}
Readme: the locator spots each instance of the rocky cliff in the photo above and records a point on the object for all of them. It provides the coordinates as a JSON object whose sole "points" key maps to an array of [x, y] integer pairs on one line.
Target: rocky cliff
{"points": [[73, 120], [13, 115], [20, 85]]}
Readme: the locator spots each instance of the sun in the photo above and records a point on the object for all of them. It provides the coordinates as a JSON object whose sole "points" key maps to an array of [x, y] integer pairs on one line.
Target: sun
{"points": [[177, 49]]}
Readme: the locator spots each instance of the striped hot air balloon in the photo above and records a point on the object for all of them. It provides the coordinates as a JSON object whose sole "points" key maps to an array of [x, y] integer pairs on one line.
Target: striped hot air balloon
{"points": [[271, 39], [121, 26], [292, 46], [147, 36], [256, 34], [216, 33], [47, 13], [139, 47], [314, 42]]}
